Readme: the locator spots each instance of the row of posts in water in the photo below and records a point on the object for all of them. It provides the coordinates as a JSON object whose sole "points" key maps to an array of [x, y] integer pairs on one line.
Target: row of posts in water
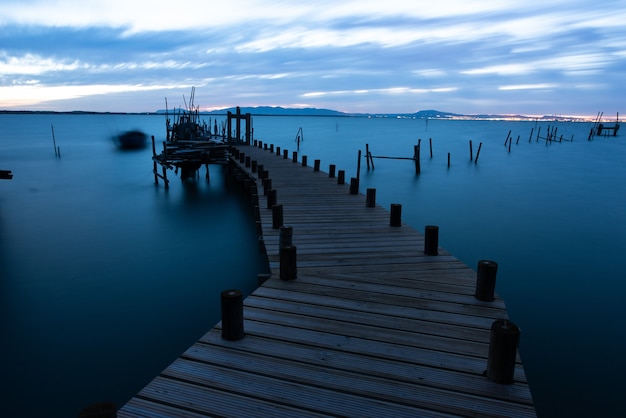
{"points": [[504, 337], [416, 158]]}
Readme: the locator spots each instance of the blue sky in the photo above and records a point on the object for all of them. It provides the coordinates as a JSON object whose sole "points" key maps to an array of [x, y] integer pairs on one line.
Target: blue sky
{"points": [[383, 56]]}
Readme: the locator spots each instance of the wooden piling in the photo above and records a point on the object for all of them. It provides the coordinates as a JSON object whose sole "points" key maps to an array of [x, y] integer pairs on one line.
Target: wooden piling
{"points": [[295, 157], [358, 166], [304, 160], [503, 344], [395, 218], [367, 156], [478, 152], [416, 156], [277, 216], [316, 165], [271, 198], [341, 177], [354, 185], [370, 198], [431, 240], [285, 238], [232, 314], [331, 170], [288, 264], [486, 280], [471, 153], [448, 160], [431, 147]]}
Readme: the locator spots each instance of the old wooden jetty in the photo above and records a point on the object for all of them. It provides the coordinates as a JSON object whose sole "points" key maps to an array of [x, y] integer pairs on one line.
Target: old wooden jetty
{"points": [[361, 315], [190, 144]]}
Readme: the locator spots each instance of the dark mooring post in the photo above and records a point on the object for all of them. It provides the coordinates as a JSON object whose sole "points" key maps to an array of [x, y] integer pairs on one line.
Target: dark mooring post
{"points": [[285, 239], [331, 170], [341, 177], [370, 198], [271, 198], [232, 314], [431, 240], [358, 166], [277, 216], [367, 156], [316, 165], [430, 140], [295, 157], [471, 152], [486, 280], [304, 160], [395, 218], [354, 185], [503, 345], [288, 268]]}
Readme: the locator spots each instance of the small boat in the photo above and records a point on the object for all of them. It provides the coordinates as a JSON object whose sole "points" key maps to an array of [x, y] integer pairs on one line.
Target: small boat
{"points": [[133, 139]]}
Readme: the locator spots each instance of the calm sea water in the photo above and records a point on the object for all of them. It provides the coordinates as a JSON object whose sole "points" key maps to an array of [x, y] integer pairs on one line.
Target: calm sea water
{"points": [[106, 279]]}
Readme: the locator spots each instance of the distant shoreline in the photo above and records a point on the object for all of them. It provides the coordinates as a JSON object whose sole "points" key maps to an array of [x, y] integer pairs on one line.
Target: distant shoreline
{"points": [[264, 111]]}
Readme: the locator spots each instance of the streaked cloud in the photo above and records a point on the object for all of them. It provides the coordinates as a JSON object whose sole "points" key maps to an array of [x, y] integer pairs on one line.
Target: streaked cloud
{"points": [[482, 56]]}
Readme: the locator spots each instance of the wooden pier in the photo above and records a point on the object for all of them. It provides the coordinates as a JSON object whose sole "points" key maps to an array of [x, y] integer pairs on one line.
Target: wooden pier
{"points": [[371, 326]]}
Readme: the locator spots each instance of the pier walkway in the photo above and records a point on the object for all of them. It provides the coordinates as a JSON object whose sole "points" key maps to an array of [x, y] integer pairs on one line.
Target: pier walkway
{"points": [[371, 326]]}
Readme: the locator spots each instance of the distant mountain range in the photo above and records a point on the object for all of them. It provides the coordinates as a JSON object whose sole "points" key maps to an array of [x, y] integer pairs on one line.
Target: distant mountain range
{"points": [[311, 111], [422, 114]]}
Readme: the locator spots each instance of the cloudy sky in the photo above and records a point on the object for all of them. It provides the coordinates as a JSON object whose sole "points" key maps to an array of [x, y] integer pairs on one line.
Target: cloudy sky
{"points": [[565, 57]]}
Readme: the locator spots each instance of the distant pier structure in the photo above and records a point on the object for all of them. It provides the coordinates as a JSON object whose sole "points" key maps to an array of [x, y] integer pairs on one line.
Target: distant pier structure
{"points": [[190, 143], [601, 129]]}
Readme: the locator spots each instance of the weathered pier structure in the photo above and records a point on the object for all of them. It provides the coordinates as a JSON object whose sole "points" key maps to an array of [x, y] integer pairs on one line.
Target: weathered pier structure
{"points": [[189, 145], [360, 315], [600, 128]]}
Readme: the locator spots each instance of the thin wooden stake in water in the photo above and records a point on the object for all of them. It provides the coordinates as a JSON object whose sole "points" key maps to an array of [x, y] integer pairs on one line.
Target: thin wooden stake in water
{"points": [[478, 153], [471, 152], [54, 142]]}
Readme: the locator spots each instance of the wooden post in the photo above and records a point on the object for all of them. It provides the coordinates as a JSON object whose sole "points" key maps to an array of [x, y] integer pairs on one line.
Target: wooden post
{"points": [[253, 165], [288, 264], [367, 156], [431, 147], [285, 238], [354, 185], [316, 165], [277, 216], [242, 157], [278, 151], [295, 157], [248, 161], [271, 198], [431, 240], [370, 198], [304, 161], [448, 160], [285, 154], [478, 153], [341, 177], [267, 186], [486, 280], [471, 152], [259, 171], [238, 126], [154, 163], [331, 170], [416, 157], [395, 218], [232, 314], [503, 344], [507, 138], [358, 166], [164, 168], [530, 137]]}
